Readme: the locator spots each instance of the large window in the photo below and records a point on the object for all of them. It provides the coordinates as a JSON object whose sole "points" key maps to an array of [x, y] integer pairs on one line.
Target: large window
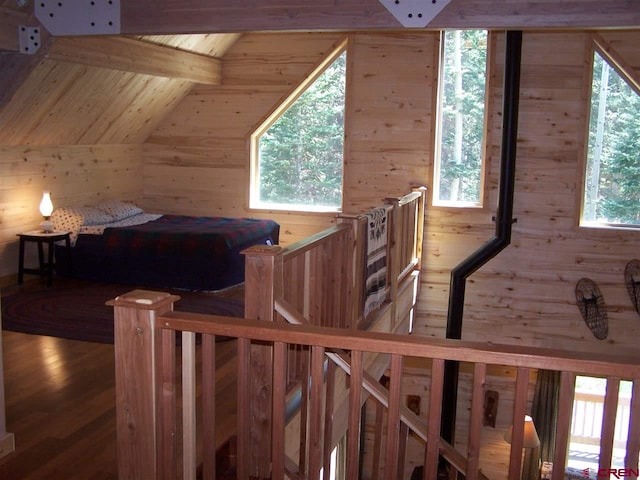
{"points": [[460, 131], [297, 154], [612, 178]]}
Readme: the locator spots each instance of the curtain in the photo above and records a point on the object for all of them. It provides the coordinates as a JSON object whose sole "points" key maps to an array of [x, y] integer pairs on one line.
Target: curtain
{"points": [[544, 412]]}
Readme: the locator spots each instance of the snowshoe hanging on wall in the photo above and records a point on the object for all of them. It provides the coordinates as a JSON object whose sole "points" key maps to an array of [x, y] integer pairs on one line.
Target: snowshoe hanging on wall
{"points": [[592, 307], [632, 281]]}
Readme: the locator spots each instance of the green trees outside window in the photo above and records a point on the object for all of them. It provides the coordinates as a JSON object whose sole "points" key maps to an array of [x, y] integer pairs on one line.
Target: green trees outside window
{"points": [[612, 178], [459, 153], [299, 150]]}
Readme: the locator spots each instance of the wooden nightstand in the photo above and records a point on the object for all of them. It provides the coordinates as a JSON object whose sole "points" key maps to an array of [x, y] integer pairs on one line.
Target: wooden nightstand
{"points": [[40, 237]]}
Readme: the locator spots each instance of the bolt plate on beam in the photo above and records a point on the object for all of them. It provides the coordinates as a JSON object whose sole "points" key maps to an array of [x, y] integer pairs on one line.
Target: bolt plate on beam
{"points": [[29, 39], [415, 13], [79, 17]]}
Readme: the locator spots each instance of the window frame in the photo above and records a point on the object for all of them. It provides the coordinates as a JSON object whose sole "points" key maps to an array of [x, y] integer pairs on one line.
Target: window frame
{"points": [[489, 65], [617, 65], [267, 123]]}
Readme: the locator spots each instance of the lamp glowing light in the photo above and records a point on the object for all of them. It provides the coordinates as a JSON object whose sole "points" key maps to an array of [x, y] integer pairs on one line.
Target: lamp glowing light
{"points": [[530, 439], [46, 209]]}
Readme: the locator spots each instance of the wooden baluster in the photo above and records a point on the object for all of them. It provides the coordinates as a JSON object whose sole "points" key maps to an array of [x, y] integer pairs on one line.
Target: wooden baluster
{"points": [[610, 409], [208, 407], [166, 462], [188, 405], [517, 433], [244, 405], [393, 418], [315, 412], [433, 422], [328, 419], [633, 436], [355, 402], [278, 406], [475, 426]]}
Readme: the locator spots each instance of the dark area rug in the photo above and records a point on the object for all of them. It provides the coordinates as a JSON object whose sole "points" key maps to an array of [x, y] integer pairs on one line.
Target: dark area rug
{"points": [[77, 310]]}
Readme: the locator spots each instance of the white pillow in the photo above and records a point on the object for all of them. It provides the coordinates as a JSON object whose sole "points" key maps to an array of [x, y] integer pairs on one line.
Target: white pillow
{"points": [[119, 210]]}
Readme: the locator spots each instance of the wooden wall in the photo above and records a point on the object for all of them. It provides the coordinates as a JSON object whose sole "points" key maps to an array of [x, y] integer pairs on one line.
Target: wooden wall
{"points": [[75, 175], [197, 162], [526, 294]]}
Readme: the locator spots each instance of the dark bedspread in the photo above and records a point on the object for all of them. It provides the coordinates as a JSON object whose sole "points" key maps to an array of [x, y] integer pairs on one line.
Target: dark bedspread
{"points": [[175, 251], [177, 234]]}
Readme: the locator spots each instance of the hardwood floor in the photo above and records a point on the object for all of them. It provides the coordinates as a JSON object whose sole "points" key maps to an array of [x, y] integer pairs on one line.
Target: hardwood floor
{"points": [[60, 405]]}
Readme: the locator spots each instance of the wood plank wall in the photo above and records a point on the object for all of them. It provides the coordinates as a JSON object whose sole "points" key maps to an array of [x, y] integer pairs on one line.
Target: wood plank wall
{"points": [[75, 174], [197, 162], [526, 294]]}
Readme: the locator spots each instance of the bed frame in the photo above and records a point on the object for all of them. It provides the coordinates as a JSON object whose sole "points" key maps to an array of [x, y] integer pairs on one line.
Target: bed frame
{"points": [[306, 361]]}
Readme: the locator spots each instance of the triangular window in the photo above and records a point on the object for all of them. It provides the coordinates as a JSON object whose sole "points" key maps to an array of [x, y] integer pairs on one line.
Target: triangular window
{"points": [[297, 153], [612, 178]]}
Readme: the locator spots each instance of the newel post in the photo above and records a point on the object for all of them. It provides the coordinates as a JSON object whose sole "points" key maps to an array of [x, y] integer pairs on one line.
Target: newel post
{"points": [[263, 284], [139, 405]]}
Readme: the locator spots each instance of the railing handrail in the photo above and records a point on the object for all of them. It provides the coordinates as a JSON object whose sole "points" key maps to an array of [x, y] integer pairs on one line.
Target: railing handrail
{"points": [[308, 243], [407, 345]]}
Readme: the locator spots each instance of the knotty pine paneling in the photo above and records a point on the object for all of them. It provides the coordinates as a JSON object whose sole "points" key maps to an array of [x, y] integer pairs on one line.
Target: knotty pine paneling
{"points": [[525, 295], [197, 160], [62, 103], [389, 117], [75, 175]]}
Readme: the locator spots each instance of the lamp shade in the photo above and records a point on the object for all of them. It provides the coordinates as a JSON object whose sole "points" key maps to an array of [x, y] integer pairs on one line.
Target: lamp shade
{"points": [[46, 206], [530, 439]]}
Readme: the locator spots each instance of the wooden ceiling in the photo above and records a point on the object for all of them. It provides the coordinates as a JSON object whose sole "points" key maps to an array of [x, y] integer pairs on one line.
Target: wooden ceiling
{"points": [[97, 90], [115, 89]]}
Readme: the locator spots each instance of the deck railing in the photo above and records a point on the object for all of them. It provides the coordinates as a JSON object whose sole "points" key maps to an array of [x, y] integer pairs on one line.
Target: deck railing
{"points": [[588, 409]]}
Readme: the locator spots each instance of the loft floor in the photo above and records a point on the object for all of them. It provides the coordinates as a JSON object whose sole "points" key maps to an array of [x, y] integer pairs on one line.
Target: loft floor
{"points": [[60, 406]]}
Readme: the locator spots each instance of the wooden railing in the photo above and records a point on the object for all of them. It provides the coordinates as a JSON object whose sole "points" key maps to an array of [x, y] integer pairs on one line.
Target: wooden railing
{"points": [[588, 411], [140, 422], [322, 278]]}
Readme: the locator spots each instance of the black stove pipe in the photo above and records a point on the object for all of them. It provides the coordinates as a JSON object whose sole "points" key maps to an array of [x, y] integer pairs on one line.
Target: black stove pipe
{"points": [[504, 220]]}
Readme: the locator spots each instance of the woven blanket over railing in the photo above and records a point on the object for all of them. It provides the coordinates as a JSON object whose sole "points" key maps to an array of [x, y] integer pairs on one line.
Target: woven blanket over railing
{"points": [[376, 273]]}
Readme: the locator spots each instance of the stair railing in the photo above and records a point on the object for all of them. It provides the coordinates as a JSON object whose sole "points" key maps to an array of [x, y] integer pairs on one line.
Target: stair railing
{"points": [[148, 428]]}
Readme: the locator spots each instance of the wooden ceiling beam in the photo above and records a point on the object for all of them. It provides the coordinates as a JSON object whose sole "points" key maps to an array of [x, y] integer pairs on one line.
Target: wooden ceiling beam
{"points": [[225, 16], [137, 56]]}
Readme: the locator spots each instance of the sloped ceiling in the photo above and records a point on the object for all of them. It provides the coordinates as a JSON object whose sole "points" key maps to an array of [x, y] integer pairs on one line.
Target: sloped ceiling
{"points": [[101, 90]]}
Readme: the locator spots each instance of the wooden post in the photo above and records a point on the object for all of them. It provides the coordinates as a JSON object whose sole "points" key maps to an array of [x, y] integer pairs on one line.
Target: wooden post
{"points": [[138, 354], [7, 441], [263, 283]]}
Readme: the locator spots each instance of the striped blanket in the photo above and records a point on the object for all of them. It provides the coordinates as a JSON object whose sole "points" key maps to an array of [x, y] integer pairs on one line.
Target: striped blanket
{"points": [[376, 272]]}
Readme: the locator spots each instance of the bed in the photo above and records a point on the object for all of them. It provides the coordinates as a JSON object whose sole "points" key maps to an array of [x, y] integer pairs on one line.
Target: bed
{"points": [[117, 242]]}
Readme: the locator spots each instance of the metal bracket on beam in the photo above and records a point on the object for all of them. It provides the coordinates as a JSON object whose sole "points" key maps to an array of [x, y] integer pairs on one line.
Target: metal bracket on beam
{"points": [[29, 39], [415, 13], [79, 17]]}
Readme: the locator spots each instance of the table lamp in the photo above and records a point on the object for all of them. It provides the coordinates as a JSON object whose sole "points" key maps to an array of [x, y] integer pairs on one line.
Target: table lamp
{"points": [[46, 209], [530, 439]]}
